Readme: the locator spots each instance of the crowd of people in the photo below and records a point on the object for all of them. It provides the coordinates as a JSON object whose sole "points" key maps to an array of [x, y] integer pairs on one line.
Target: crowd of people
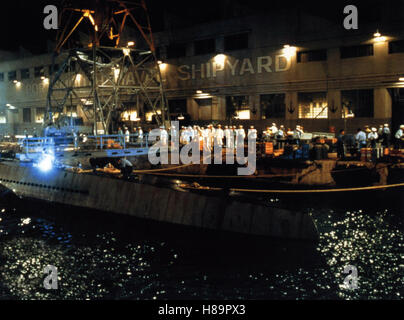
{"points": [[382, 137], [229, 135], [224, 136], [374, 138]]}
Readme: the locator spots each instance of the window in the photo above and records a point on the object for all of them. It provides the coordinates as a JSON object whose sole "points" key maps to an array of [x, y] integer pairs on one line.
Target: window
{"points": [[313, 105], [205, 46], [237, 107], [357, 51], [39, 72], [3, 117], [24, 74], [204, 109], [357, 103], [272, 106], [39, 115], [26, 115], [71, 111], [236, 42], [12, 75], [175, 51], [396, 46], [53, 69], [314, 55], [178, 106], [1, 76], [130, 115]]}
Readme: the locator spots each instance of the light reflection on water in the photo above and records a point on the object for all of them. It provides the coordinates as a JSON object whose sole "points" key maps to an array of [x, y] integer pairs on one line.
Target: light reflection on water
{"points": [[101, 265]]}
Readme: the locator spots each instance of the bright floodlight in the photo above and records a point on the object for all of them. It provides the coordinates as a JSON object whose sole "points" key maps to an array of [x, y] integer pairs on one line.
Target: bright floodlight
{"points": [[220, 59], [45, 164]]}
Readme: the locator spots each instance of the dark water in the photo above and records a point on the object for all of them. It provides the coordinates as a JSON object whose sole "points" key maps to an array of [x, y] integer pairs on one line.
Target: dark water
{"points": [[101, 256]]}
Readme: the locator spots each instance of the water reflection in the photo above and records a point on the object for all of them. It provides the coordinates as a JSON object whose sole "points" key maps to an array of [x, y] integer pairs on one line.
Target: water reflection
{"points": [[99, 262]]}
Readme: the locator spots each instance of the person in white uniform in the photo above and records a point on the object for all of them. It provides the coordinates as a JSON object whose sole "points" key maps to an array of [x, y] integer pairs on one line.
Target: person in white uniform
{"points": [[274, 129], [252, 135], [127, 135], [140, 132], [219, 135], [240, 137], [228, 135]]}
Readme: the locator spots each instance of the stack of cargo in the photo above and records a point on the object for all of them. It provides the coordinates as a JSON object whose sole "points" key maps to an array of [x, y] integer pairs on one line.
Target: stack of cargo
{"points": [[366, 154], [269, 148]]}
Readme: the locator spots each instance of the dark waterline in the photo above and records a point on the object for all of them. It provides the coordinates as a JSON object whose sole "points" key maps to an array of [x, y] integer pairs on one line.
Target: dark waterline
{"points": [[102, 256]]}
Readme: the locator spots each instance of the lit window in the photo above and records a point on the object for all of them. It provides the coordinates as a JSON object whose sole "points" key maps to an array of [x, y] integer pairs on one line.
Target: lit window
{"points": [[130, 116], [357, 103], [71, 111], [313, 105], [238, 107], [243, 115], [39, 115], [150, 115]]}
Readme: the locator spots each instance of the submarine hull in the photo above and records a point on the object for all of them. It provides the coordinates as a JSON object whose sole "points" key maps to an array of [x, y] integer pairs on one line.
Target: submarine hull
{"points": [[177, 206]]}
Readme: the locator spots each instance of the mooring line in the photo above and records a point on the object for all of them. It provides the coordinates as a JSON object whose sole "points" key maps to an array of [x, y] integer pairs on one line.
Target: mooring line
{"points": [[322, 190], [298, 191], [162, 170]]}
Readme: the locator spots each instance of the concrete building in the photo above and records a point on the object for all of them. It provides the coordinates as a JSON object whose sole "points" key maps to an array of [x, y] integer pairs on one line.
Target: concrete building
{"points": [[284, 67]]}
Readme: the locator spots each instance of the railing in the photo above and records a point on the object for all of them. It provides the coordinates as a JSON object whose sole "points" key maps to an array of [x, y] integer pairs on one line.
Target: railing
{"points": [[122, 140], [74, 143], [36, 145]]}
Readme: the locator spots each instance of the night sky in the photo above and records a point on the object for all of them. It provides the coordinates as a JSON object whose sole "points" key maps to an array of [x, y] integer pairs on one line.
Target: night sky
{"points": [[21, 21]]}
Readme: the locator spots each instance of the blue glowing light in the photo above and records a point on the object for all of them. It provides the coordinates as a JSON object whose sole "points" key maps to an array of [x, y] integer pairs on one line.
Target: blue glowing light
{"points": [[46, 163]]}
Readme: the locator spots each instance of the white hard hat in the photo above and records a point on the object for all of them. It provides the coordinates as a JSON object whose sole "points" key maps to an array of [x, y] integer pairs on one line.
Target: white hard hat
{"points": [[374, 129]]}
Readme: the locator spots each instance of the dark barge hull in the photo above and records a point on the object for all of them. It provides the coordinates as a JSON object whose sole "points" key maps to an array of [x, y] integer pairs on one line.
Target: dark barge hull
{"points": [[150, 202]]}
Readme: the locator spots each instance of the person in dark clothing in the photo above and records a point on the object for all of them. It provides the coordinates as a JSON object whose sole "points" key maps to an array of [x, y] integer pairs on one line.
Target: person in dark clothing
{"points": [[341, 144], [386, 136], [126, 168]]}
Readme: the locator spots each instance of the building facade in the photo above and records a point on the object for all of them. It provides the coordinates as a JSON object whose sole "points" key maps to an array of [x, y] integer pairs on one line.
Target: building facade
{"points": [[285, 68]]}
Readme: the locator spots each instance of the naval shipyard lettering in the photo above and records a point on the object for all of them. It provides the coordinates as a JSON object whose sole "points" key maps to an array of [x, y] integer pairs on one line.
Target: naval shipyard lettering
{"points": [[235, 67]]}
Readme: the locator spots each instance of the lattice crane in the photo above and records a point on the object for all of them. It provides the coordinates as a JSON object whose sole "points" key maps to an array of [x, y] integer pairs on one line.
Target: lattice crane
{"points": [[105, 62]]}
